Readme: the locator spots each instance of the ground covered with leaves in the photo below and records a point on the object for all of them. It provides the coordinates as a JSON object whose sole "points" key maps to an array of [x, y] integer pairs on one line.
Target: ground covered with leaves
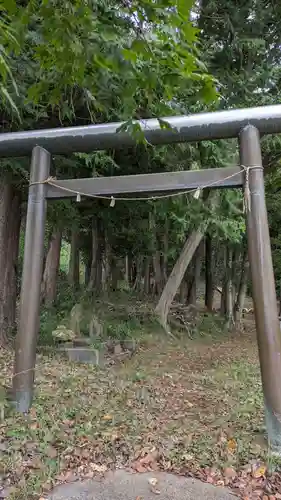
{"points": [[193, 407]]}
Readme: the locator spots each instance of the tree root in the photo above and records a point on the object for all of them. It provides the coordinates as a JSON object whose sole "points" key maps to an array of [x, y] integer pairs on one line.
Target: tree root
{"points": [[164, 324]]}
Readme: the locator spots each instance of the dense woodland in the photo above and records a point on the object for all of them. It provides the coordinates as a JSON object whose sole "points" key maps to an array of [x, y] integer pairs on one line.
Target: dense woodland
{"points": [[85, 62]]}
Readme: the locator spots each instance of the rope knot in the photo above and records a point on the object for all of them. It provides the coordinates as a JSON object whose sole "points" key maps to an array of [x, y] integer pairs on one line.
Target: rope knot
{"points": [[247, 191]]}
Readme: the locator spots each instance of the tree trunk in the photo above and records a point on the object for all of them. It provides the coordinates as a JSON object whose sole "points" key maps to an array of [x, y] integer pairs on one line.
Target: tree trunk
{"points": [[12, 261], [9, 240], [49, 285], [127, 270], [235, 272], [224, 283], [229, 289], [192, 292], [209, 284], [88, 264], [107, 264], [115, 273], [139, 269], [99, 266], [95, 282], [177, 274], [158, 267], [93, 271], [223, 299], [129, 274], [74, 260], [146, 285], [5, 207], [183, 291], [242, 291], [158, 274], [165, 250]]}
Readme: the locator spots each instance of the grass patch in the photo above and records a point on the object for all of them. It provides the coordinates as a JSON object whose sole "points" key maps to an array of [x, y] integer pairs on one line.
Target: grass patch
{"points": [[198, 402]]}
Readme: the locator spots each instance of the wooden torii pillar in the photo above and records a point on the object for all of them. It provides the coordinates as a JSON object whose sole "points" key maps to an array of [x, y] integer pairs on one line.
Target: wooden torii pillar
{"points": [[264, 291]]}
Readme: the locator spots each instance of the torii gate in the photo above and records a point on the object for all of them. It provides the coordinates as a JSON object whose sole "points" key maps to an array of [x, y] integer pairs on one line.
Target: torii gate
{"points": [[246, 125]]}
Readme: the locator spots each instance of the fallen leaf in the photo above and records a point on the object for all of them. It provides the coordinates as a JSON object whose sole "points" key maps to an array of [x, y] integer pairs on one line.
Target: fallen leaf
{"points": [[32, 412], [51, 452], [85, 454], [213, 472], [138, 467], [149, 458], [220, 482], [35, 463], [155, 491], [231, 445], [230, 473], [258, 493], [47, 486], [107, 417], [34, 425], [98, 468], [221, 437], [247, 469], [147, 462], [3, 446], [68, 423], [30, 446], [259, 471], [90, 474], [67, 477], [153, 481], [115, 436]]}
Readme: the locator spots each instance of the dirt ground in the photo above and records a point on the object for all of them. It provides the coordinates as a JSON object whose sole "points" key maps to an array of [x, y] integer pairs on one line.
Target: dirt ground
{"points": [[187, 406]]}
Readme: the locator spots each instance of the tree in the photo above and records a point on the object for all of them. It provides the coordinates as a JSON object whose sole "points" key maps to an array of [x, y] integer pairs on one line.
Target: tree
{"points": [[89, 62]]}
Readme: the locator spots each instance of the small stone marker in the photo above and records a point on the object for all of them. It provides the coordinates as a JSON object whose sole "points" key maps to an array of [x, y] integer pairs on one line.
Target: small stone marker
{"points": [[129, 345], [118, 350]]}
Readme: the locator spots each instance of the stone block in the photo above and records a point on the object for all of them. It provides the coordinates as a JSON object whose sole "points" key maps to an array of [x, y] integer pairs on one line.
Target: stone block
{"points": [[85, 355], [117, 350], [82, 342], [129, 345]]}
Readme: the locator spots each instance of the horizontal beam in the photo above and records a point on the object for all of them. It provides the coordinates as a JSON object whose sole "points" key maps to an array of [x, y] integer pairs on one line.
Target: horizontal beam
{"points": [[147, 183], [202, 126]]}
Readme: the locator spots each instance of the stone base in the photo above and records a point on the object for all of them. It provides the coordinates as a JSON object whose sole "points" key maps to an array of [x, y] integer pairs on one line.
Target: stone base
{"points": [[121, 485], [85, 355], [129, 345], [82, 342]]}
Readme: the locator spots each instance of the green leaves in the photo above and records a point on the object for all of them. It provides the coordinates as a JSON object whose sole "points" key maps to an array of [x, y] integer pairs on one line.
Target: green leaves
{"points": [[8, 44], [7, 97], [8, 6], [80, 62], [129, 56], [184, 8]]}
